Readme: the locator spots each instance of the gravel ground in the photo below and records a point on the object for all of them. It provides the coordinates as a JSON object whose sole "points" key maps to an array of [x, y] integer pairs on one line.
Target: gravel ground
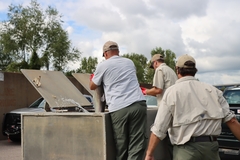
{"points": [[10, 150]]}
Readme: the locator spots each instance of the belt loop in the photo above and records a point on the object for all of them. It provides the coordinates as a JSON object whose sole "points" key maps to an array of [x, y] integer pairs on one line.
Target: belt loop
{"points": [[211, 138], [193, 139]]}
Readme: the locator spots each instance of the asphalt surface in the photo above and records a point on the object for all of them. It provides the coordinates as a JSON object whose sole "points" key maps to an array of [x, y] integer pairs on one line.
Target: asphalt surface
{"points": [[10, 150], [13, 151]]}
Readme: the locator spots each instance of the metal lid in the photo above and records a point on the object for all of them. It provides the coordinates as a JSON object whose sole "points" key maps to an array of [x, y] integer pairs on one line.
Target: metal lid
{"points": [[55, 88]]}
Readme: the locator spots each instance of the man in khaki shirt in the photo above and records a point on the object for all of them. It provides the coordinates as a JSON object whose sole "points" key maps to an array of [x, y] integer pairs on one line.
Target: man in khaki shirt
{"points": [[192, 113], [164, 77]]}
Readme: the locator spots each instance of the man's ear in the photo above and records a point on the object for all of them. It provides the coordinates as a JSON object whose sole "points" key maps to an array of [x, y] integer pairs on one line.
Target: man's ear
{"points": [[176, 70]]}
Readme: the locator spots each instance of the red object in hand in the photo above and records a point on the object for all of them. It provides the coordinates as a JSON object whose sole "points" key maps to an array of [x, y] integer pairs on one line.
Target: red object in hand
{"points": [[91, 76], [143, 90]]}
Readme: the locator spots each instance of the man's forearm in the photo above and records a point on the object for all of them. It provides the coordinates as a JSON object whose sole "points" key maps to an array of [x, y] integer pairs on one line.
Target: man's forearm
{"points": [[153, 91], [92, 85], [234, 126], [152, 144]]}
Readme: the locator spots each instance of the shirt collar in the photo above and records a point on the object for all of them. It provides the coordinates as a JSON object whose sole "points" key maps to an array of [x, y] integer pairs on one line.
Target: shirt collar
{"points": [[186, 78], [162, 64], [115, 56]]}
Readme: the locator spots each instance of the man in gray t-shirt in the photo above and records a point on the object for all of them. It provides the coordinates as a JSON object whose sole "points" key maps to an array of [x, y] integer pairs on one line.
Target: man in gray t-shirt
{"points": [[125, 101]]}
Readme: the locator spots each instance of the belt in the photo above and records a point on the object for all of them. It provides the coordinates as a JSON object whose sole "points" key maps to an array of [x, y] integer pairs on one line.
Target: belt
{"points": [[203, 139]]}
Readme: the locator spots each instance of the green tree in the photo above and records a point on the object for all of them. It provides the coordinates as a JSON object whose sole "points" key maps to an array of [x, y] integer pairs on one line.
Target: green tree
{"points": [[140, 62], [169, 56], [88, 65], [15, 67], [35, 62], [5, 59], [37, 37]]}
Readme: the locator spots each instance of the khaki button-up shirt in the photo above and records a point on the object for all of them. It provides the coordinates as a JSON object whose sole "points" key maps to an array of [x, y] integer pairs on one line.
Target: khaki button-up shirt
{"points": [[190, 108], [164, 77]]}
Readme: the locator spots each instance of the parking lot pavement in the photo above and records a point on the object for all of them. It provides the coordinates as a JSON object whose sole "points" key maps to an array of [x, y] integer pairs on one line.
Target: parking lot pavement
{"points": [[10, 150]]}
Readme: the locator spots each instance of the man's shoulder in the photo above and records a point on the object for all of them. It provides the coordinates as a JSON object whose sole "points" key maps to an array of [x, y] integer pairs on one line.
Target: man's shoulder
{"points": [[195, 82], [164, 66], [119, 58], [124, 58], [209, 86]]}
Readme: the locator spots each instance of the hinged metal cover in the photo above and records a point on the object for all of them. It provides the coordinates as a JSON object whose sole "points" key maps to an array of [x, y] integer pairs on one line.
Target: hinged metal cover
{"points": [[84, 79], [55, 88]]}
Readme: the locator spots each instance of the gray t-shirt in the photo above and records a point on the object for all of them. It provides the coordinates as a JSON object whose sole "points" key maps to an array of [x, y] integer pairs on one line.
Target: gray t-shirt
{"points": [[120, 83]]}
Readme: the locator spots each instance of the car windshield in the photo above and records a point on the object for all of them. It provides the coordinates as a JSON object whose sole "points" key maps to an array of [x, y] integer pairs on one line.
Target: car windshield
{"points": [[151, 100], [36, 103], [232, 96], [42, 104], [89, 99]]}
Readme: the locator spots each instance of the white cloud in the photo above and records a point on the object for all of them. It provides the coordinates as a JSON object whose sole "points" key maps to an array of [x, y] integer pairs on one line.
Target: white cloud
{"points": [[69, 29], [178, 10], [217, 78], [206, 29]]}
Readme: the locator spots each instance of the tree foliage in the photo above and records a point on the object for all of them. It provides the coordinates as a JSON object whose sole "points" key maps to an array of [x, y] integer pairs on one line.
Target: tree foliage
{"points": [[15, 67], [169, 57], [35, 62], [5, 59], [36, 37], [88, 65], [140, 62]]}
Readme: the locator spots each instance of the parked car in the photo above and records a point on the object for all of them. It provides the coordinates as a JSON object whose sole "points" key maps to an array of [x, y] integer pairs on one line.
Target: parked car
{"points": [[89, 98], [11, 126], [151, 101], [229, 145]]}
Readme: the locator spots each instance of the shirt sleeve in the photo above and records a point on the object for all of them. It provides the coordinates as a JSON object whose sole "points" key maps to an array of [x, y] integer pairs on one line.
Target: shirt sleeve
{"points": [[162, 121], [158, 79], [98, 74], [228, 114]]}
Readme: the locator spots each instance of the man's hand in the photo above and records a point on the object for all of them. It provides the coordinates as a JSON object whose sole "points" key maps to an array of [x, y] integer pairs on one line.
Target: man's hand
{"points": [[92, 85], [149, 157]]}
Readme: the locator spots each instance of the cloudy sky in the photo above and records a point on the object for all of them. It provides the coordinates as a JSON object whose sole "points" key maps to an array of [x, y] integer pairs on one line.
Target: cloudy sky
{"points": [[208, 30]]}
